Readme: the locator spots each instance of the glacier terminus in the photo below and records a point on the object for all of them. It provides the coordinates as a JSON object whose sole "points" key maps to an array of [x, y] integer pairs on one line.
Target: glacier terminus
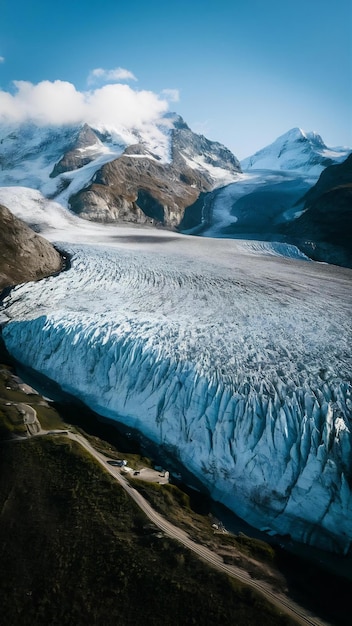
{"points": [[235, 356]]}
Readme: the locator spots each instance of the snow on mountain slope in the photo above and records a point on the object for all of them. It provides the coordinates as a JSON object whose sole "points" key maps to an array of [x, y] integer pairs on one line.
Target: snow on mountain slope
{"points": [[28, 154], [199, 153], [268, 194], [296, 150], [61, 161], [237, 362], [52, 220], [38, 212], [56, 223]]}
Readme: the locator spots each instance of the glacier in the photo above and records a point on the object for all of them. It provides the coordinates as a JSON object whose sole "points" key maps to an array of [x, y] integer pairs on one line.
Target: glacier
{"points": [[228, 354], [255, 205]]}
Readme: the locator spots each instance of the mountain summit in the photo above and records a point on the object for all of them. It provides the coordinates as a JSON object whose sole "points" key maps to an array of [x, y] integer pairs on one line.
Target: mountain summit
{"points": [[297, 150]]}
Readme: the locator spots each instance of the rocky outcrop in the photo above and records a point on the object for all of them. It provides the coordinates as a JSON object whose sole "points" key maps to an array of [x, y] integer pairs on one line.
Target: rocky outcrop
{"points": [[24, 255], [324, 230], [185, 144], [84, 150], [138, 187]]}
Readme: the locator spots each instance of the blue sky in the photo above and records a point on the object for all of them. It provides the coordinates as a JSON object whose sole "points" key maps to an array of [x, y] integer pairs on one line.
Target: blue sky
{"points": [[246, 72]]}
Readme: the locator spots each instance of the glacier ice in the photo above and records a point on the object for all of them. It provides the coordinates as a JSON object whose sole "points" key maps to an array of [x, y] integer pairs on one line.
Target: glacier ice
{"points": [[235, 358], [254, 206]]}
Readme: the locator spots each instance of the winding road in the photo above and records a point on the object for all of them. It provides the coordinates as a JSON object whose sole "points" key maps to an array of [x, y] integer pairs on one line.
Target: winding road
{"points": [[30, 419], [284, 604]]}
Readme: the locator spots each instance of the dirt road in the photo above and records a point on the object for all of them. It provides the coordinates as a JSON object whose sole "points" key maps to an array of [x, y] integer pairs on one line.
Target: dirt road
{"points": [[29, 419], [283, 603]]}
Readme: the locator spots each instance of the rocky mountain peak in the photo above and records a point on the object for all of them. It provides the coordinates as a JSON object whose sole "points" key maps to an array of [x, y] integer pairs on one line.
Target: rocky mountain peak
{"points": [[86, 138], [139, 187], [84, 150], [191, 147], [132, 175]]}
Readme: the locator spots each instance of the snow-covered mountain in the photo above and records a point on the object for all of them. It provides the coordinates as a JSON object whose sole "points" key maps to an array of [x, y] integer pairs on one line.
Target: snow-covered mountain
{"points": [[233, 358], [269, 198], [113, 175], [170, 176], [297, 150]]}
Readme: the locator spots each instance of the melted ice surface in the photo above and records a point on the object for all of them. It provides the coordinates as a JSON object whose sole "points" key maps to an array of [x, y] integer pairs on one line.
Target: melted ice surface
{"points": [[236, 359]]}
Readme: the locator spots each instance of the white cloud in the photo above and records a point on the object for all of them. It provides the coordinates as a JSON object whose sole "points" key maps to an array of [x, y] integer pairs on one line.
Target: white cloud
{"points": [[172, 95], [2, 59], [47, 102], [117, 74], [59, 102]]}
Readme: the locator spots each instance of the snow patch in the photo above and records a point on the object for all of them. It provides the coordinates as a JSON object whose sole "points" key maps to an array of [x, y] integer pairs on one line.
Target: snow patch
{"points": [[220, 175]]}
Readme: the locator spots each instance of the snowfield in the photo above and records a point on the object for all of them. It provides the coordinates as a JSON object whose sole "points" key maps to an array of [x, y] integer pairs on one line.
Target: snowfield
{"points": [[235, 358]]}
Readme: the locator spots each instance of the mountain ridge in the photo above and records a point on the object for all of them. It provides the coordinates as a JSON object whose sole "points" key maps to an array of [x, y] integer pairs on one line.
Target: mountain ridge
{"points": [[73, 165], [186, 182]]}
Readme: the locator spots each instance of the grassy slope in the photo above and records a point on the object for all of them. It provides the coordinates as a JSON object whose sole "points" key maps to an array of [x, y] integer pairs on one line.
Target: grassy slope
{"points": [[76, 550]]}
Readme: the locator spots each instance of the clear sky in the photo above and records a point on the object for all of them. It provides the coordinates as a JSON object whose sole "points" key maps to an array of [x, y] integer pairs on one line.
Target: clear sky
{"points": [[244, 72]]}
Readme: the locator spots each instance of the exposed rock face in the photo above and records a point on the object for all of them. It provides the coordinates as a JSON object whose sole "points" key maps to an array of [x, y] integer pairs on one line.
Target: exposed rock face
{"points": [[186, 144], [24, 255], [85, 149], [324, 230], [137, 186], [333, 177]]}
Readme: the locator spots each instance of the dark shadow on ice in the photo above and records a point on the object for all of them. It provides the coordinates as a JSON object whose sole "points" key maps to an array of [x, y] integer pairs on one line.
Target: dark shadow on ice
{"points": [[142, 239]]}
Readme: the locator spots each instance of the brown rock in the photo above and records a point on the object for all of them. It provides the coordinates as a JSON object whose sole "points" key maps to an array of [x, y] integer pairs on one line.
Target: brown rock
{"points": [[133, 188], [138, 188], [85, 149], [24, 255], [324, 230]]}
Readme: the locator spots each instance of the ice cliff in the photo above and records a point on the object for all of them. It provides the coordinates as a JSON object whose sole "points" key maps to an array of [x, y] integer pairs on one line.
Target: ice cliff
{"points": [[234, 358]]}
